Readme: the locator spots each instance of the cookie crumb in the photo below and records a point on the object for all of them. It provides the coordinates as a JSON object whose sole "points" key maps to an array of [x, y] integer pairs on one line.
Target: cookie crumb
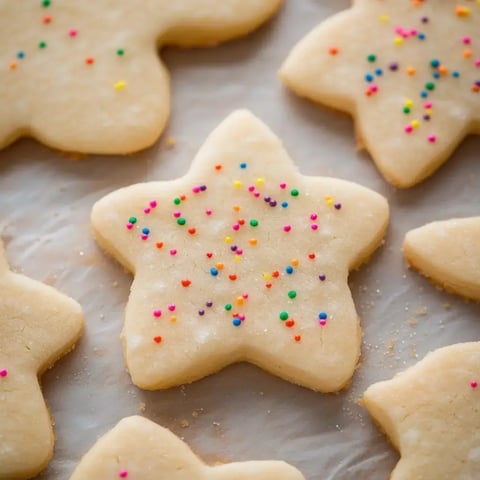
{"points": [[142, 406], [184, 423], [170, 142]]}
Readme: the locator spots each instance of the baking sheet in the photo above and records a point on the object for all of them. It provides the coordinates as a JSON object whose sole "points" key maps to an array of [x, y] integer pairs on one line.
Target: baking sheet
{"points": [[241, 413]]}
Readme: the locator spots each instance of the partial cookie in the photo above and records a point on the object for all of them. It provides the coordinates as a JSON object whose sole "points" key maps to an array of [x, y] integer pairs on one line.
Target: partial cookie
{"points": [[38, 325], [431, 414], [86, 77], [408, 71], [242, 259], [140, 449], [448, 253]]}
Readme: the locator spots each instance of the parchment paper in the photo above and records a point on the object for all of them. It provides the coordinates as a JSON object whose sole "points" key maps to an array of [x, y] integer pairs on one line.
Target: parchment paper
{"points": [[241, 413]]}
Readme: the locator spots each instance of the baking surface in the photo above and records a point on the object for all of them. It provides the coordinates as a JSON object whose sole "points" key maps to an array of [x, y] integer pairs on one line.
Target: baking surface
{"points": [[241, 413]]}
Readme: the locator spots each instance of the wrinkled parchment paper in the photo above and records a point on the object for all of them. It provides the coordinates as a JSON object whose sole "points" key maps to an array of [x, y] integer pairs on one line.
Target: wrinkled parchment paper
{"points": [[241, 413]]}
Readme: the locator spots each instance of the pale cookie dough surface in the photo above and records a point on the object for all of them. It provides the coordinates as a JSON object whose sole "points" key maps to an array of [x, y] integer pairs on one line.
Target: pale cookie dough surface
{"points": [[38, 325], [431, 414], [137, 448], [242, 259], [409, 73], [448, 253], [85, 76]]}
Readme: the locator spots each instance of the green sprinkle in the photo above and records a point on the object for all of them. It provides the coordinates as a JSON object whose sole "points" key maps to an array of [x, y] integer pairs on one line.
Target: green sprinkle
{"points": [[177, 201], [283, 316], [228, 307], [181, 221], [294, 192], [42, 45], [430, 86], [406, 110], [292, 294], [120, 52], [254, 223], [371, 58], [132, 220], [46, 3]]}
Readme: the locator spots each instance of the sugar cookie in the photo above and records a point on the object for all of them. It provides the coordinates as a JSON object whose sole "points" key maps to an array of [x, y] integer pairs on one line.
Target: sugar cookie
{"points": [[38, 325], [140, 449], [85, 76], [431, 414], [448, 253], [242, 259], [408, 71]]}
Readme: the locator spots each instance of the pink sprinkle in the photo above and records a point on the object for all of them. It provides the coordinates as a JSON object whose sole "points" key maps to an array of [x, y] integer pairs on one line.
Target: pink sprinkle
{"points": [[236, 226], [123, 474], [153, 203], [477, 62], [177, 214], [283, 186], [238, 251], [73, 32], [429, 105], [3, 373], [473, 383], [322, 322], [129, 226], [208, 212], [245, 296], [172, 308], [157, 313], [313, 216], [241, 317], [314, 226], [399, 30], [196, 189], [432, 138], [173, 251], [408, 129], [147, 210], [287, 228], [251, 188], [467, 40], [374, 88], [413, 32], [256, 194], [144, 236]]}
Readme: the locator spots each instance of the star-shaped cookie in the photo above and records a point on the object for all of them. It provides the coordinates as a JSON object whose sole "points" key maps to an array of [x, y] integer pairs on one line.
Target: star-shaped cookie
{"points": [[242, 259], [431, 415], [408, 72], [448, 253], [85, 76], [140, 449], [38, 325]]}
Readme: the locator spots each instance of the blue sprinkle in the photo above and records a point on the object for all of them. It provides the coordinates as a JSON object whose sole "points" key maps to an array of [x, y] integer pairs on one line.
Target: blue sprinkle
{"points": [[289, 269], [369, 77], [436, 75], [146, 231], [21, 54], [214, 271], [284, 204], [421, 36], [243, 165], [435, 63], [379, 72], [322, 316], [424, 94], [236, 322], [455, 74]]}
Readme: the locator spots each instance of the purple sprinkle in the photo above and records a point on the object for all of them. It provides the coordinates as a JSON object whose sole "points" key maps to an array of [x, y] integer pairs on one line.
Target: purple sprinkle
{"points": [[233, 248], [267, 199], [201, 312], [477, 83], [338, 206], [424, 19], [209, 303], [426, 117], [273, 203], [322, 277], [203, 188], [393, 67]]}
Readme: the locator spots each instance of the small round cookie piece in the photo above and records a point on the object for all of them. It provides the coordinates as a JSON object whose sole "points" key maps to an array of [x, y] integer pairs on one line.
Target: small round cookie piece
{"points": [[431, 414], [447, 253], [137, 448]]}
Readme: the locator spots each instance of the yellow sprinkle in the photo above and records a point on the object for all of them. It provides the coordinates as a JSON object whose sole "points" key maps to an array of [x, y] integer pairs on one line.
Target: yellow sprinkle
{"points": [[252, 241], [409, 103], [237, 258], [294, 262], [329, 200], [266, 276], [239, 301], [386, 18], [119, 85], [429, 111], [415, 123], [237, 183], [259, 181], [398, 41], [462, 11], [173, 319], [228, 239]]}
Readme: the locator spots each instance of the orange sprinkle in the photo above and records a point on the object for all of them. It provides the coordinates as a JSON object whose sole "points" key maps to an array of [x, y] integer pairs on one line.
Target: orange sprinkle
{"points": [[333, 50], [443, 69], [462, 11], [47, 19], [239, 300], [236, 208], [183, 198], [173, 319], [219, 266], [89, 60], [475, 88], [297, 338], [467, 53], [410, 71], [159, 245], [12, 65], [253, 241], [218, 167], [294, 262]]}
